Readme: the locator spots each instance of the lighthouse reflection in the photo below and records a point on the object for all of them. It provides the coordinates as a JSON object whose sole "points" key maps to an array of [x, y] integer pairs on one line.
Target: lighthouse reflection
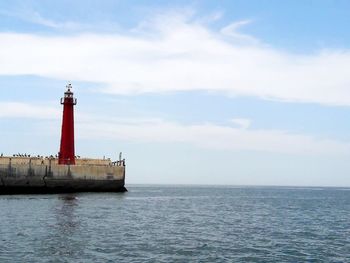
{"points": [[67, 222], [66, 228]]}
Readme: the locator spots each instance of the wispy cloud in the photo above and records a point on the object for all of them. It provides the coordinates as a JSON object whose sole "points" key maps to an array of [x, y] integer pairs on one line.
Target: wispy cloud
{"points": [[241, 122], [24, 110], [180, 54], [231, 30], [34, 17], [211, 136], [205, 135]]}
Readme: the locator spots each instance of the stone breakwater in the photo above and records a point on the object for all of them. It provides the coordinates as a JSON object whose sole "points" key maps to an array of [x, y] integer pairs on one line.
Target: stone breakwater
{"points": [[44, 175]]}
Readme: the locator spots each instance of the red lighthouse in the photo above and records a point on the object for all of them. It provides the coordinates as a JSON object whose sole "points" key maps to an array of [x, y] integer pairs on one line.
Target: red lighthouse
{"points": [[66, 154]]}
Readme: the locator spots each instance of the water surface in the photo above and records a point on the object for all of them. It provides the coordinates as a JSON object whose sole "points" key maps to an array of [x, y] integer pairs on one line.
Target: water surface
{"points": [[178, 224]]}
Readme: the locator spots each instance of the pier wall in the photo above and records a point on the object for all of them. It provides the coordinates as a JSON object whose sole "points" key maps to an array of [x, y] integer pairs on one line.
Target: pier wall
{"points": [[45, 175]]}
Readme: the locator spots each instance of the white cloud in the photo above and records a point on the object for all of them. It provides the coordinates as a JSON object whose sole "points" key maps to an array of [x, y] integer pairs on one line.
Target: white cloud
{"points": [[208, 135], [175, 53], [24, 110]]}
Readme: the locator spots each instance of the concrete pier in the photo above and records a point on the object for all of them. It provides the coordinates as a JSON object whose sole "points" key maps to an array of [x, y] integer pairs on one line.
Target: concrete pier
{"points": [[44, 175]]}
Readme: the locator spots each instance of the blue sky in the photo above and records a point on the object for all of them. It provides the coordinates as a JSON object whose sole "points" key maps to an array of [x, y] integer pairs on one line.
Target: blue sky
{"points": [[192, 92]]}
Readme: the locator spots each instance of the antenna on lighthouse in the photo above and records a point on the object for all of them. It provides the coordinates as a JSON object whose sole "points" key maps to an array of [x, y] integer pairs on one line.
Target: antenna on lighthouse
{"points": [[69, 86]]}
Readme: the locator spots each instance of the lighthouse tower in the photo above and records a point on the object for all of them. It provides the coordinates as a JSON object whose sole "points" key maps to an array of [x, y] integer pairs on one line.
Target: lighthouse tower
{"points": [[67, 154]]}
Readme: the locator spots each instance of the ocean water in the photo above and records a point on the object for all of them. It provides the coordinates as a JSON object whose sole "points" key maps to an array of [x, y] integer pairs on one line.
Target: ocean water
{"points": [[178, 224]]}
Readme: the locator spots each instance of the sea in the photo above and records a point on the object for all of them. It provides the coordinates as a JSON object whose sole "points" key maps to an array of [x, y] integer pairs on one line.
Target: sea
{"points": [[178, 224]]}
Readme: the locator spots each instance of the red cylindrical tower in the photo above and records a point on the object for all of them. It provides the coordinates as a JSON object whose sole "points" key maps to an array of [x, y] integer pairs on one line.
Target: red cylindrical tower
{"points": [[67, 154]]}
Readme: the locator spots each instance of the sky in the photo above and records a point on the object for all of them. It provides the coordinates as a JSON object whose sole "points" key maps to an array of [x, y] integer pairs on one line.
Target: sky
{"points": [[204, 92]]}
